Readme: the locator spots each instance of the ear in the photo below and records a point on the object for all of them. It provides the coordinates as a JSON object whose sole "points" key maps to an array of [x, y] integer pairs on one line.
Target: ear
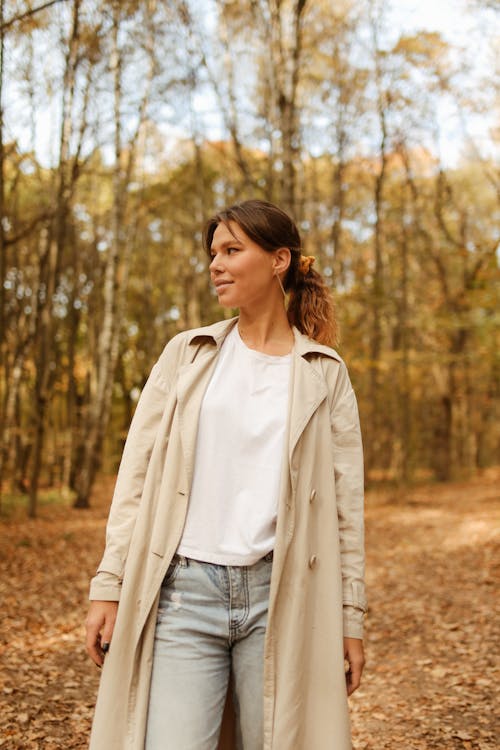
{"points": [[282, 258]]}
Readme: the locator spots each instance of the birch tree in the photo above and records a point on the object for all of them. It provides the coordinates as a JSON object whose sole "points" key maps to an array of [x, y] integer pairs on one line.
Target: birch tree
{"points": [[51, 253], [118, 255]]}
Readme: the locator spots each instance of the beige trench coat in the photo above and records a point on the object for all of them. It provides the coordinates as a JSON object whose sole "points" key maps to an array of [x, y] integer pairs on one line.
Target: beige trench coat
{"points": [[318, 567]]}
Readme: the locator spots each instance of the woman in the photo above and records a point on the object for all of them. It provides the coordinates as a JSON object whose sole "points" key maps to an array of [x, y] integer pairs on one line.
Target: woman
{"points": [[235, 537]]}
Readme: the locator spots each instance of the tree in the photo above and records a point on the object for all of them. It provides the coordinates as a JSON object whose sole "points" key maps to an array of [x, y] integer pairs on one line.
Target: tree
{"points": [[117, 263]]}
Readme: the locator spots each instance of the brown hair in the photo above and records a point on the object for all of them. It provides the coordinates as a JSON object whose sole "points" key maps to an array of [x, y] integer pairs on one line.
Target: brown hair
{"points": [[311, 308]]}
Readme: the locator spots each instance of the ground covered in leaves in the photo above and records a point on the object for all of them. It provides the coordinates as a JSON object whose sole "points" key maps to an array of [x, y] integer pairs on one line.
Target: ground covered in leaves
{"points": [[432, 677]]}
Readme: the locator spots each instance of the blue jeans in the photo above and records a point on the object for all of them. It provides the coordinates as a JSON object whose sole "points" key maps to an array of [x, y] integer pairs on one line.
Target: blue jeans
{"points": [[211, 624]]}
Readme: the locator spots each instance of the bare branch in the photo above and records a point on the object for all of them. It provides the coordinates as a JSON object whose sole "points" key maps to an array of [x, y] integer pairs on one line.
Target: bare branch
{"points": [[28, 13], [29, 228]]}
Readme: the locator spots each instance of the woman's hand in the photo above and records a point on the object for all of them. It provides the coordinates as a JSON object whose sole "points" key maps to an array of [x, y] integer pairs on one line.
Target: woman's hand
{"points": [[100, 624], [354, 655]]}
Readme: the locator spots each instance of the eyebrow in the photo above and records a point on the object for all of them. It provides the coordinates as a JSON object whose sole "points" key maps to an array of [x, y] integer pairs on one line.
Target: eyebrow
{"points": [[227, 243]]}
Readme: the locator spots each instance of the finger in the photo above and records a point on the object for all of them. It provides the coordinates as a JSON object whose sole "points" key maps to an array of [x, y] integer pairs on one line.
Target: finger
{"points": [[107, 632], [94, 650], [93, 641], [353, 676]]}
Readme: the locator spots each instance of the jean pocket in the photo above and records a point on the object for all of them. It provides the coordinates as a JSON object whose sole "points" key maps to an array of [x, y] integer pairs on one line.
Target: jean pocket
{"points": [[171, 571]]}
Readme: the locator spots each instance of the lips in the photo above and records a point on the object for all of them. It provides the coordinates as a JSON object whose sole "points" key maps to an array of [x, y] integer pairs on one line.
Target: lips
{"points": [[220, 284]]}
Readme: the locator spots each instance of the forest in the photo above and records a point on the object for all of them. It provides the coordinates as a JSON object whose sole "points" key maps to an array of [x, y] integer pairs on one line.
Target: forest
{"points": [[125, 125]]}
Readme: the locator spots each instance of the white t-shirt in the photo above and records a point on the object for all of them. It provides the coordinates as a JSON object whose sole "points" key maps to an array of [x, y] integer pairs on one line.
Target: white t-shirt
{"points": [[232, 510]]}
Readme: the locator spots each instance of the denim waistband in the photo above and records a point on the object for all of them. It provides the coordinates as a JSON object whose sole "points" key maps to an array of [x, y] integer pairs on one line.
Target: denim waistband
{"points": [[184, 561]]}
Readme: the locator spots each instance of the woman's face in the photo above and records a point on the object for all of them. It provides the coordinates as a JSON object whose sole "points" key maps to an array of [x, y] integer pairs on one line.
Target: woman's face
{"points": [[241, 271]]}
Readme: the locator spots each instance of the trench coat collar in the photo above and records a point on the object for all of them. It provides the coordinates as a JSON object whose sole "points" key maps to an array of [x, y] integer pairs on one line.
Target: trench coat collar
{"points": [[217, 332]]}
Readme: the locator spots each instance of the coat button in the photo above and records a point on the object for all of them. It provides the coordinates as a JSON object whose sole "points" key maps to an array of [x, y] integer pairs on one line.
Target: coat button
{"points": [[312, 496], [312, 561]]}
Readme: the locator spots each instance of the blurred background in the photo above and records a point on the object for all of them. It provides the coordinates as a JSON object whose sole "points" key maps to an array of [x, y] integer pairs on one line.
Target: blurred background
{"points": [[124, 125]]}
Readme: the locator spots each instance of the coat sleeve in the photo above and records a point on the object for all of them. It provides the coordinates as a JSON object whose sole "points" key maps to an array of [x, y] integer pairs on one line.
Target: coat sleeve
{"points": [[106, 585], [349, 488]]}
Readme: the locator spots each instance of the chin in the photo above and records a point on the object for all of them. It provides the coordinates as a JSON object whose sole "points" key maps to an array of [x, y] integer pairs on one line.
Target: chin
{"points": [[228, 300]]}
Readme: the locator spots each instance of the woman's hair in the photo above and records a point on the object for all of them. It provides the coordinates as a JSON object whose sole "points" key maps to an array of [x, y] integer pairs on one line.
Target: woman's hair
{"points": [[311, 308]]}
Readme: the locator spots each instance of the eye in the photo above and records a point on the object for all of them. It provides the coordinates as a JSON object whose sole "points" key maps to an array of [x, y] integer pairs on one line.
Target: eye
{"points": [[231, 250]]}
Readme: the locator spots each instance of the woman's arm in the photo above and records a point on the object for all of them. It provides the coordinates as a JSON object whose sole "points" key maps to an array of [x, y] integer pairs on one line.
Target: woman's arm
{"points": [[349, 490], [129, 486], [349, 487], [105, 587], [131, 474]]}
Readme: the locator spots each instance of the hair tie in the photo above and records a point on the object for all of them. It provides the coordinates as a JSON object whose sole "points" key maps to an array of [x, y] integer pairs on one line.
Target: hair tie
{"points": [[305, 263]]}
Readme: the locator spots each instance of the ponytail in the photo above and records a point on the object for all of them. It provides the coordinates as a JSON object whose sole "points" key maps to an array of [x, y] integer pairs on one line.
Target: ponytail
{"points": [[311, 307]]}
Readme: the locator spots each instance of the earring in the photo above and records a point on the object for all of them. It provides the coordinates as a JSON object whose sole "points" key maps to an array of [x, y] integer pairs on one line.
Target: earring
{"points": [[280, 283]]}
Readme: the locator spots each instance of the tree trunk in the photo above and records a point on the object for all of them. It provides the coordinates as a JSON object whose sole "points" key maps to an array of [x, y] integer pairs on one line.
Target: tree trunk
{"points": [[116, 273], [286, 63], [73, 411], [3, 260], [404, 409], [377, 289], [45, 334], [106, 362], [48, 267]]}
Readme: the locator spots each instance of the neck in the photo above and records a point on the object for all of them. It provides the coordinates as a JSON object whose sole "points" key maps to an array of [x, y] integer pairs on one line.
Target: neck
{"points": [[266, 331]]}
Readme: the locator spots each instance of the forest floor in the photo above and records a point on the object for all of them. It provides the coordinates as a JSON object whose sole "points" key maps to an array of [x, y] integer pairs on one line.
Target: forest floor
{"points": [[432, 678]]}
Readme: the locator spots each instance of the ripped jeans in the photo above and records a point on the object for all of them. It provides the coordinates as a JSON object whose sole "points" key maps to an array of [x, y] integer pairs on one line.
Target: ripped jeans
{"points": [[211, 624]]}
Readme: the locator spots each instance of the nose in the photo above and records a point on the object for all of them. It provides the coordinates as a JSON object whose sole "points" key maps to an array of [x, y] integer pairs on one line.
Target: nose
{"points": [[215, 264]]}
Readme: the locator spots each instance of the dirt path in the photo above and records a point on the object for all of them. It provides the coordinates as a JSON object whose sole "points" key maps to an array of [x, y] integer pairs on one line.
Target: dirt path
{"points": [[433, 674], [433, 671]]}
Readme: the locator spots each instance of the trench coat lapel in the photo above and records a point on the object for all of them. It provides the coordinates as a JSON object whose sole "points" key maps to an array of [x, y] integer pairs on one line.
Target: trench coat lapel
{"points": [[308, 391], [308, 386]]}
